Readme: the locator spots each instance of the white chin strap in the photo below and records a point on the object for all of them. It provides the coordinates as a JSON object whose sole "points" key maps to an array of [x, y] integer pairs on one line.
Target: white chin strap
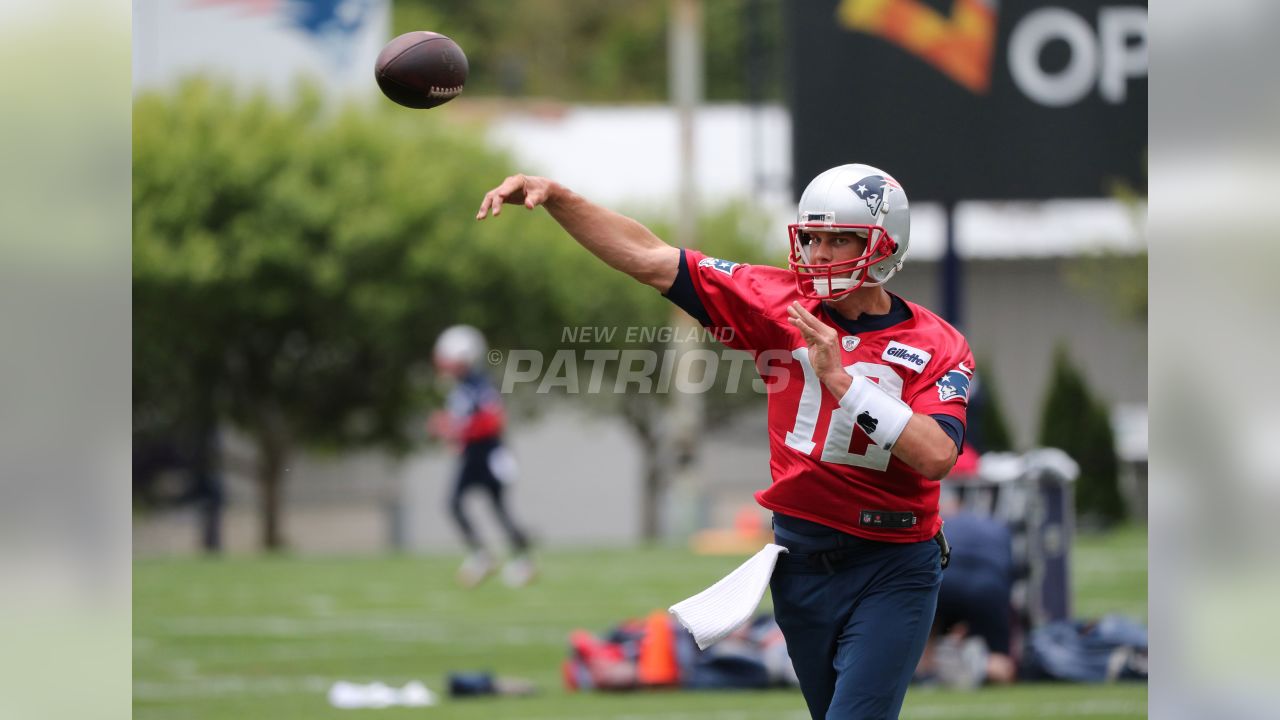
{"points": [[825, 286]]}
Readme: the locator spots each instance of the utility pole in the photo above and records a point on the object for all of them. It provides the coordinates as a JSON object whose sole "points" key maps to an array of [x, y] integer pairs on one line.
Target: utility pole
{"points": [[681, 499], [685, 76], [952, 268]]}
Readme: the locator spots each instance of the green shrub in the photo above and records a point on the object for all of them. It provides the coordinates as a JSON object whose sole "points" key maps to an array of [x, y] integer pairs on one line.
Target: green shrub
{"points": [[993, 431], [1077, 423]]}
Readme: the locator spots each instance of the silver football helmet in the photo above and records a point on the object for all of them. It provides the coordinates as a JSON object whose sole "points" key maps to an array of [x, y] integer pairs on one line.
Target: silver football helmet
{"points": [[460, 346], [858, 199]]}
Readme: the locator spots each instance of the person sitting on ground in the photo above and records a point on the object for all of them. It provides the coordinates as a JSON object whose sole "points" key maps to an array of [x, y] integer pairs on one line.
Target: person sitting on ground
{"points": [[972, 627], [656, 652]]}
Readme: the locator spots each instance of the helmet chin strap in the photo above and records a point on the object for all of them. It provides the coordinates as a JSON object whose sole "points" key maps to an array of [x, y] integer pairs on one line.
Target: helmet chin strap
{"points": [[824, 286]]}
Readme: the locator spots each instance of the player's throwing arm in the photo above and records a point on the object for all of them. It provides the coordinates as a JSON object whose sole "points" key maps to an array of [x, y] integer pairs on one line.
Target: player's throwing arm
{"points": [[622, 243]]}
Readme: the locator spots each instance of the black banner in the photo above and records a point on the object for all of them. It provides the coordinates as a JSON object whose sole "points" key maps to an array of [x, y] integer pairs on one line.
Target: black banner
{"points": [[972, 99]]}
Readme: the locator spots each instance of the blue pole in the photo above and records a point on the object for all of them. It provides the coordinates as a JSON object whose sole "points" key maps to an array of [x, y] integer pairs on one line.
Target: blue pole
{"points": [[951, 268]]}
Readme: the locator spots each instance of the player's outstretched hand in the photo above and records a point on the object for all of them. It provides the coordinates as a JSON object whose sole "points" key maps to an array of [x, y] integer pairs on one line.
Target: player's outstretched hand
{"points": [[516, 190], [822, 339]]}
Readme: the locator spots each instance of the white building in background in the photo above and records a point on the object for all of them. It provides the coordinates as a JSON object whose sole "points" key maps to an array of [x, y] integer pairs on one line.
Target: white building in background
{"points": [[260, 43], [626, 157]]}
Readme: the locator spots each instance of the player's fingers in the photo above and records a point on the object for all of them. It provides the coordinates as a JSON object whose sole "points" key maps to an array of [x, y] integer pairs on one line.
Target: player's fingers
{"points": [[794, 311], [795, 319], [533, 197], [514, 187], [804, 313], [494, 199], [808, 333], [821, 328], [802, 318], [805, 331], [499, 197], [484, 206], [513, 183], [816, 332]]}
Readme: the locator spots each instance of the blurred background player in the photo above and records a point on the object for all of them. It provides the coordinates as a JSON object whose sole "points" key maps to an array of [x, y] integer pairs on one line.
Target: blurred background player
{"points": [[473, 419], [974, 621]]}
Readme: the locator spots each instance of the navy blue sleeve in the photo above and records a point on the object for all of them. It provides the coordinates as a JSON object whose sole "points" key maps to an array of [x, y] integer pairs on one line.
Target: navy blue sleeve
{"points": [[953, 428], [683, 294]]}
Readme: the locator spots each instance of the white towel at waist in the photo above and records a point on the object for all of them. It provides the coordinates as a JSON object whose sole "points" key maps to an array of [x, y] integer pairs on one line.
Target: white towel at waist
{"points": [[722, 608]]}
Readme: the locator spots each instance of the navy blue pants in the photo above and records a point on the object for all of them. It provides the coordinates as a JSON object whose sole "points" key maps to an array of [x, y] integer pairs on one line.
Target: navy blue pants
{"points": [[476, 473], [856, 614]]}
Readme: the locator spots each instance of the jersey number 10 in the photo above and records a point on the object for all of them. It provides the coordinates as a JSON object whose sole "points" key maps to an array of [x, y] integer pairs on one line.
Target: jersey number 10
{"points": [[840, 427]]}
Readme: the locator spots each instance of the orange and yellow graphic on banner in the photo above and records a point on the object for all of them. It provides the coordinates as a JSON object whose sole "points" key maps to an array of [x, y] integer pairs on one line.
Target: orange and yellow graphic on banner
{"points": [[960, 46]]}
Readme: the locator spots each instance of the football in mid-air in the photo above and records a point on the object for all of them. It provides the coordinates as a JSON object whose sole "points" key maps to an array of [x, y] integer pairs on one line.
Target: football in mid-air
{"points": [[421, 69]]}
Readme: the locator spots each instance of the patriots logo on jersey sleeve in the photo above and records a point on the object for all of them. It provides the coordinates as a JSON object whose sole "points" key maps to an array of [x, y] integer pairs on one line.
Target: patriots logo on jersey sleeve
{"points": [[725, 266], [954, 385]]}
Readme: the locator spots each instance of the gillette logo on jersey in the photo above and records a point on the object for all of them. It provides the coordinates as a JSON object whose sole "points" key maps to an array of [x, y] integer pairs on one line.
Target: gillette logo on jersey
{"points": [[906, 356]]}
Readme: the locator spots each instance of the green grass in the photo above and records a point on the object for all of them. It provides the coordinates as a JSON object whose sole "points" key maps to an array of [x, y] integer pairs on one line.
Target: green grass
{"points": [[266, 637]]}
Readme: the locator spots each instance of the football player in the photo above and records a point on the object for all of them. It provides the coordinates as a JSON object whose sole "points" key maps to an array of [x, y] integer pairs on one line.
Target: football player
{"points": [[473, 420], [867, 401]]}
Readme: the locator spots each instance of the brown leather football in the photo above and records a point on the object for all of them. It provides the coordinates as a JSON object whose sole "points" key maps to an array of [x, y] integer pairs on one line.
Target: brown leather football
{"points": [[421, 69]]}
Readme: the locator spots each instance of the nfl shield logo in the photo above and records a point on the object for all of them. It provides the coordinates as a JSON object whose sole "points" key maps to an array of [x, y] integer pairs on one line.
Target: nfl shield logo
{"points": [[849, 342], [725, 266]]}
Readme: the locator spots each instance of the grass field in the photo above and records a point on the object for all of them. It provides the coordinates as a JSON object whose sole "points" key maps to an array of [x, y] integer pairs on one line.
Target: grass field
{"points": [[266, 637]]}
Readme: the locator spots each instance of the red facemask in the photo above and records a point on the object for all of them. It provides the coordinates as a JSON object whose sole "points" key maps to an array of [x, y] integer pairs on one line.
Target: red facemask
{"points": [[832, 281]]}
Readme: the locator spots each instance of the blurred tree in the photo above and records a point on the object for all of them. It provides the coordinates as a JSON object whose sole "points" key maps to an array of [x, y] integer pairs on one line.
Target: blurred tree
{"points": [[1074, 421], [292, 268], [1099, 490], [1118, 278], [729, 232], [294, 264], [989, 432], [603, 51]]}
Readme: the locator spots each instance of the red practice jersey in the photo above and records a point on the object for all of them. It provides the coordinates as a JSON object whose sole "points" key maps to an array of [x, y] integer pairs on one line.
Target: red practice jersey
{"points": [[824, 467]]}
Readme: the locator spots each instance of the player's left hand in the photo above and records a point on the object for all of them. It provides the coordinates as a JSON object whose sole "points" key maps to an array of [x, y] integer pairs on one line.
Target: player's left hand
{"points": [[822, 339]]}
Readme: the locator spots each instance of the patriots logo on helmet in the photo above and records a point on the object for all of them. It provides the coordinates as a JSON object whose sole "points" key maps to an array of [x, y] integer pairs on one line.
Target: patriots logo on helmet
{"points": [[954, 385], [725, 266], [872, 190]]}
